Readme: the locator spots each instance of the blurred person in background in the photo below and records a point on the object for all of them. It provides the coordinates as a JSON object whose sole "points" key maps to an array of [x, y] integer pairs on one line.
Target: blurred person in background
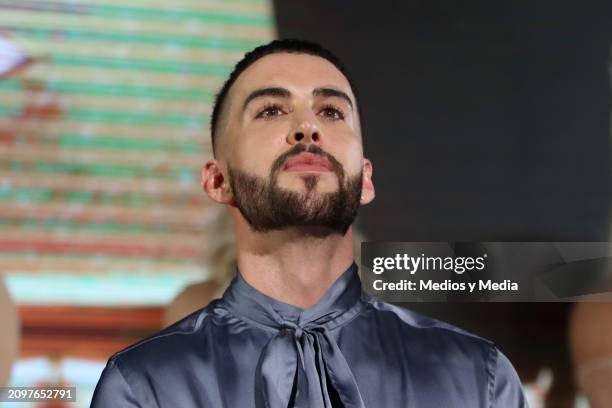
{"points": [[221, 264], [591, 345], [9, 335]]}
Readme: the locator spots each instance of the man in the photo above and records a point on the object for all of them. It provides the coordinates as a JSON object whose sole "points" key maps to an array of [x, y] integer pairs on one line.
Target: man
{"points": [[294, 328]]}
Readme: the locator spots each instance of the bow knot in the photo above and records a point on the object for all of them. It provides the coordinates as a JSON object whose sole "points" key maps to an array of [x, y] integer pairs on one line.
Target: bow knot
{"points": [[298, 331], [300, 372], [288, 327]]}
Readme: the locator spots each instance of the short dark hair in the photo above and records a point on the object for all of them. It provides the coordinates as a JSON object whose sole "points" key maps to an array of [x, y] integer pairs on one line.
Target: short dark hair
{"points": [[291, 46]]}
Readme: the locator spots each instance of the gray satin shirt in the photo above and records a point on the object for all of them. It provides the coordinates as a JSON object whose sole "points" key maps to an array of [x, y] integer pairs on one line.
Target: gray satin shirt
{"points": [[350, 350]]}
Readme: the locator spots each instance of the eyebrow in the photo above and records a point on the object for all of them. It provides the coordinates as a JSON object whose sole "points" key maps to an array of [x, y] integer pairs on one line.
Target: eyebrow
{"points": [[331, 92], [272, 91], [285, 93]]}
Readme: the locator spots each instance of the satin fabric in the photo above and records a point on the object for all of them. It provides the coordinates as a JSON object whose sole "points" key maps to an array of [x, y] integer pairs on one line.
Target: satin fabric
{"points": [[349, 350]]}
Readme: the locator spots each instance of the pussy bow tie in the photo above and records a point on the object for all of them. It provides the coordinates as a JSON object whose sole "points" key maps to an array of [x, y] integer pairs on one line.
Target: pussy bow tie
{"points": [[302, 366], [301, 358]]}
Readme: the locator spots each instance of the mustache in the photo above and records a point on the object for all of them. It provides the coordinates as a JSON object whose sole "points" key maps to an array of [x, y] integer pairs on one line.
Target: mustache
{"points": [[301, 148]]}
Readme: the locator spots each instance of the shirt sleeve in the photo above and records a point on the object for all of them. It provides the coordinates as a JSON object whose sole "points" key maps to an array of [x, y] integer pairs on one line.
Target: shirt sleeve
{"points": [[112, 390], [507, 387]]}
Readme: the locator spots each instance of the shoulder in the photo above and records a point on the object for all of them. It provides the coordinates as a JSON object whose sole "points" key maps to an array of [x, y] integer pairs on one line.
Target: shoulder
{"points": [[436, 341], [169, 345], [406, 319], [132, 375], [411, 334]]}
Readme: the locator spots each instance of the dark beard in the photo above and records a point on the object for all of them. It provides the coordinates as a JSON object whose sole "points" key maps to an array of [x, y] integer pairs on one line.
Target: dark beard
{"points": [[267, 207]]}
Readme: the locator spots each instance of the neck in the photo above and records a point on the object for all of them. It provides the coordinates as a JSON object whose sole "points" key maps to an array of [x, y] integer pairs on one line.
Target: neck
{"points": [[294, 266]]}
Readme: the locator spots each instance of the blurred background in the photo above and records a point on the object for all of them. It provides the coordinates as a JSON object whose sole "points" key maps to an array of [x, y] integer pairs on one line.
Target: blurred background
{"points": [[484, 122]]}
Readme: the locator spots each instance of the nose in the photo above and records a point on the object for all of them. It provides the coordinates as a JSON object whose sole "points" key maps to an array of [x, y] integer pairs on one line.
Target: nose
{"points": [[306, 132]]}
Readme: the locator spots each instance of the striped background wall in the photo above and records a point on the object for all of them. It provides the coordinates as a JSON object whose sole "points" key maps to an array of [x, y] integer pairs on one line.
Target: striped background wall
{"points": [[102, 137], [104, 109]]}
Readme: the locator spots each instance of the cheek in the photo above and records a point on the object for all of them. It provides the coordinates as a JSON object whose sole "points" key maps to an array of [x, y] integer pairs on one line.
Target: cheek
{"points": [[256, 148], [354, 166], [349, 154]]}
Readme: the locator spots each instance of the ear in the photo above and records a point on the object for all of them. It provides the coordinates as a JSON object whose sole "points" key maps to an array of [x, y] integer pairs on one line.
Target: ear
{"points": [[367, 187], [215, 183]]}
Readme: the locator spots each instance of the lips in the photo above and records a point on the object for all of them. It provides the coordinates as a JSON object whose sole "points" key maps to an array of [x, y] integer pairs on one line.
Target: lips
{"points": [[307, 162]]}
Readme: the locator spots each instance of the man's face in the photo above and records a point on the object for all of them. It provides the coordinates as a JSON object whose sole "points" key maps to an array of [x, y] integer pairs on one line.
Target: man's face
{"points": [[290, 139]]}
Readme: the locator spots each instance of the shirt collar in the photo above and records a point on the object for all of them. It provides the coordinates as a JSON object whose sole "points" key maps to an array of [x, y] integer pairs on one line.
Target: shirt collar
{"points": [[339, 304]]}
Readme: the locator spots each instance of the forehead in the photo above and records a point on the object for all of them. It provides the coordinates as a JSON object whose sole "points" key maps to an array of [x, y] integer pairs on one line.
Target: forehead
{"points": [[296, 72]]}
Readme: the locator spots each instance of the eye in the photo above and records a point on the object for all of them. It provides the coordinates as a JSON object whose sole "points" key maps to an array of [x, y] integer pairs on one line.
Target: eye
{"points": [[270, 111], [331, 112]]}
